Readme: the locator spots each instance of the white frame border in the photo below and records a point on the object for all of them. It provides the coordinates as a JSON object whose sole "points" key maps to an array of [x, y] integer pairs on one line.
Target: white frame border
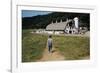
{"points": [[50, 65]]}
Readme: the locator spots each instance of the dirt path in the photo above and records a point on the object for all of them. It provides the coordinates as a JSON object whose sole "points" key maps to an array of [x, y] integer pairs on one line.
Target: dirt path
{"points": [[54, 56]]}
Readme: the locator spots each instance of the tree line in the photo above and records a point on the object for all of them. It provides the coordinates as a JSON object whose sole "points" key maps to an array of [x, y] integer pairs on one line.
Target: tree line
{"points": [[41, 21]]}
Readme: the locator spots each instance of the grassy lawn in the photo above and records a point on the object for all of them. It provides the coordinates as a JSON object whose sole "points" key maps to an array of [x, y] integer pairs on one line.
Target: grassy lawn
{"points": [[72, 47], [33, 46]]}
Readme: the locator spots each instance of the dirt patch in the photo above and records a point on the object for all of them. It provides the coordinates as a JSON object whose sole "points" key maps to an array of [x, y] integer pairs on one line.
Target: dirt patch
{"points": [[54, 56]]}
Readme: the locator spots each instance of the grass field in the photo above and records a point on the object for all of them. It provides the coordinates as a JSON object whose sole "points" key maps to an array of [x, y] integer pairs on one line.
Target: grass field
{"points": [[71, 47], [33, 46]]}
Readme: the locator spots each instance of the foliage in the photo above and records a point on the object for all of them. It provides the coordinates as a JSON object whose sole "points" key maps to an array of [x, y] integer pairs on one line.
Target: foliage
{"points": [[41, 21]]}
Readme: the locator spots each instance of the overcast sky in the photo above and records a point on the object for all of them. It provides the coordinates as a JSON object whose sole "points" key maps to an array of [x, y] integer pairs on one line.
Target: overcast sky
{"points": [[30, 13]]}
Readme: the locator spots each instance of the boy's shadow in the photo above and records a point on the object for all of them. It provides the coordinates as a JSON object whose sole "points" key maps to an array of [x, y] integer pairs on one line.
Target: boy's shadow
{"points": [[53, 51]]}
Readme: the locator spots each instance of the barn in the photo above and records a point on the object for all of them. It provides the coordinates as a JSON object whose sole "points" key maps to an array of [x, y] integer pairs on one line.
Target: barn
{"points": [[70, 26]]}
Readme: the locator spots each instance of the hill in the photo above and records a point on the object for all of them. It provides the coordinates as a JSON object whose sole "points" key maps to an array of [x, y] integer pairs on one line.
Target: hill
{"points": [[41, 21]]}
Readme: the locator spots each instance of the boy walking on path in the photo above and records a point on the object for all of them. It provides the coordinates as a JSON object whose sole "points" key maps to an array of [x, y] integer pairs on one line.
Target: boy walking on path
{"points": [[49, 44]]}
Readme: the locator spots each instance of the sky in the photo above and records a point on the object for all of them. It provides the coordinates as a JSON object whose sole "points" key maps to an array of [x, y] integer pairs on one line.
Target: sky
{"points": [[30, 13]]}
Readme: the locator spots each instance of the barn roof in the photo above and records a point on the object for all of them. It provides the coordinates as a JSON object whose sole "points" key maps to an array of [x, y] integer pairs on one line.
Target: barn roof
{"points": [[57, 26]]}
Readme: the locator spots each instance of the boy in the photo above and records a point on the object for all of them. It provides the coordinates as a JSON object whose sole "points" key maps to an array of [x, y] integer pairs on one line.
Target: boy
{"points": [[49, 44]]}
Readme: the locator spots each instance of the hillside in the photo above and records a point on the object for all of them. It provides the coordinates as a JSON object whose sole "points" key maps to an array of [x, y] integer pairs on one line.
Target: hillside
{"points": [[41, 21]]}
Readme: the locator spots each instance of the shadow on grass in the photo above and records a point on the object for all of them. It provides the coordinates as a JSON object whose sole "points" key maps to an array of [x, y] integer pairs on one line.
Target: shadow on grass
{"points": [[53, 51]]}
